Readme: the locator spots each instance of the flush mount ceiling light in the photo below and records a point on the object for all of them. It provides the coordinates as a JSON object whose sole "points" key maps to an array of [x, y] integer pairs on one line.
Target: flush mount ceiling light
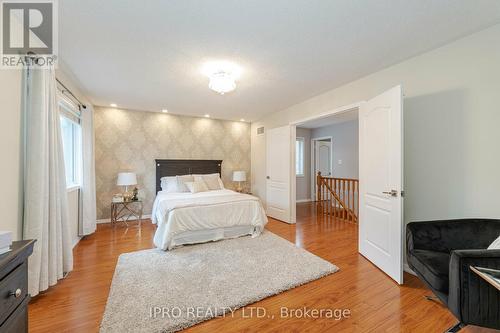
{"points": [[222, 76], [222, 82]]}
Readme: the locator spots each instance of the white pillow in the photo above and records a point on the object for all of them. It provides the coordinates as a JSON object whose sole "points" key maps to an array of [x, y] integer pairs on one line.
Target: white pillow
{"points": [[196, 186], [181, 180], [495, 245], [212, 181], [169, 184]]}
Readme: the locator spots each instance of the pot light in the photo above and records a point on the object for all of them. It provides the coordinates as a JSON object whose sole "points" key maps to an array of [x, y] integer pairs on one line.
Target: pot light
{"points": [[113, 105], [164, 111], [207, 116], [222, 76], [242, 119]]}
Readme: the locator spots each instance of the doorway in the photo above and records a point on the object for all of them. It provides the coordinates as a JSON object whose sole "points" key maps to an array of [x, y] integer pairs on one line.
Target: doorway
{"points": [[380, 184], [331, 147], [321, 160]]}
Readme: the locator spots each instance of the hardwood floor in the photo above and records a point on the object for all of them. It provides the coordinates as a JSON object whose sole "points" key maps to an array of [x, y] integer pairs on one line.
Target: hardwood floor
{"points": [[376, 303]]}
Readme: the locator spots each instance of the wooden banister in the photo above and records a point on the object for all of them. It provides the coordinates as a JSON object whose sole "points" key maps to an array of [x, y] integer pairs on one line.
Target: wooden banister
{"points": [[338, 197]]}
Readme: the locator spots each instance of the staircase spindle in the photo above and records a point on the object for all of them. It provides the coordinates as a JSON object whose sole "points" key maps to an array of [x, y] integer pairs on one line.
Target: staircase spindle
{"points": [[338, 198], [337, 191], [330, 211]]}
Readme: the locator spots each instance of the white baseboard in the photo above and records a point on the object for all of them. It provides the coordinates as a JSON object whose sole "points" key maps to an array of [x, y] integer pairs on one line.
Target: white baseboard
{"points": [[108, 220], [303, 200]]}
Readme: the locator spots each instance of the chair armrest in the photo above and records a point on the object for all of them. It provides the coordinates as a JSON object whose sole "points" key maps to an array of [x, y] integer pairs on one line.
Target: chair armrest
{"points": [[471, 299]]}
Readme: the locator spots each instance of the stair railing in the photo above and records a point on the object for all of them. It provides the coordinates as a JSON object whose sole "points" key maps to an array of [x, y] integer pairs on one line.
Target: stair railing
{"points": [[338, 197]]}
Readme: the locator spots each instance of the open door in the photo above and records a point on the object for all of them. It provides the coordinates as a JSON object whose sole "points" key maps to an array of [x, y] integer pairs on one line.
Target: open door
{"points": [[381, 182], [279, 169]]}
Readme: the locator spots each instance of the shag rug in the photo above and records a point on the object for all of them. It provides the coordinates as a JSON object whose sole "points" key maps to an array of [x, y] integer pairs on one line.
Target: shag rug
{"points": [[157, 291]]}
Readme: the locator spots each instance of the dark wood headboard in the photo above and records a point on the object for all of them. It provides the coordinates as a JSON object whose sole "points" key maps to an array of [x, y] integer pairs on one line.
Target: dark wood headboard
{"points": [[166, 168]]}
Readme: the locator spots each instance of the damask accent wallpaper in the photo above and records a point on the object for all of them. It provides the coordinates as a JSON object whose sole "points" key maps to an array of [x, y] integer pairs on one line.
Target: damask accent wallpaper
{"points": [[127, 140]]}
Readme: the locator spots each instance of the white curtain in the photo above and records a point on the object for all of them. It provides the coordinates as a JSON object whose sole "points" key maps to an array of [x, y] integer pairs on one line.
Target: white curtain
{"points": [[88, 201], [45, 197]]}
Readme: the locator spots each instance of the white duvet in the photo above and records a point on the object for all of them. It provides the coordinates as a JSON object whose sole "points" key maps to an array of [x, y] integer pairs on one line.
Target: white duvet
{"points": [[178, 214]]}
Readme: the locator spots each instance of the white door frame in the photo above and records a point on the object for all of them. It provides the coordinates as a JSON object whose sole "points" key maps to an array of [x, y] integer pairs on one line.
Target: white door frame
{"points": [[313, 162], [294, 124]]}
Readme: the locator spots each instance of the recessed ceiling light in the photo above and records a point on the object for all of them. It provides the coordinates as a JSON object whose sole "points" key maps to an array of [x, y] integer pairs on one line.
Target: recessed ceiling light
{"points": [[113, 105], [207, 116], [242, 119], [164, 111]]}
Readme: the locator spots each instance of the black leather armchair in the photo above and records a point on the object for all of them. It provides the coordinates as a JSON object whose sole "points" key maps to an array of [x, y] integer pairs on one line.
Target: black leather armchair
{"points": [[441, 253]]}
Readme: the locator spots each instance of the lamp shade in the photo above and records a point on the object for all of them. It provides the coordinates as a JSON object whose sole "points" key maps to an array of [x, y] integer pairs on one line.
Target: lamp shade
{"points": [[239, 176], [126, 179]]}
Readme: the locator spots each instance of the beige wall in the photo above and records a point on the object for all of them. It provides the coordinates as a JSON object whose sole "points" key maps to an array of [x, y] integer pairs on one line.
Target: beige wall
{"points": [[131, 140], [10, 147], [451, 122]]}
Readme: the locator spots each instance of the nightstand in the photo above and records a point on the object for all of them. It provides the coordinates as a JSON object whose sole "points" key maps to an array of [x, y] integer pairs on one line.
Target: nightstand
{"points": [[123, 211], [14, 287]]}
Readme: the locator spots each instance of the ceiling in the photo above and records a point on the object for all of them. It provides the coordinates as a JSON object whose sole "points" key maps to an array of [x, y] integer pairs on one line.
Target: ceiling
{"points": [[147, 55], [348, 115]]}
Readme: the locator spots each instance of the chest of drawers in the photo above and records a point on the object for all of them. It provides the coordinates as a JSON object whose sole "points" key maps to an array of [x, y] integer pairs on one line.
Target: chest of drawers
{"points": [[14, 297]]}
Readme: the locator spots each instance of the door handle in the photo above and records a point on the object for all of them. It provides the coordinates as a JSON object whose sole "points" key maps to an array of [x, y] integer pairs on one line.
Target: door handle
{"points": [[392, 193]]}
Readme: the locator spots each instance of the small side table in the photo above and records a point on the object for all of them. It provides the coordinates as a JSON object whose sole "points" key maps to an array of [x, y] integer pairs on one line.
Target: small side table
{"points": [[123, 211]]}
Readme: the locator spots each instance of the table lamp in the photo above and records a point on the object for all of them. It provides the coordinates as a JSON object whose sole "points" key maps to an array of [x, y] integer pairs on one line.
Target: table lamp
{"points": [[239, 176], [126, 179]]}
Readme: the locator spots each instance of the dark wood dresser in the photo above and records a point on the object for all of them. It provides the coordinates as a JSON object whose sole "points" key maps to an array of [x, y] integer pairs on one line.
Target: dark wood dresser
{"points": [[14, 295]]}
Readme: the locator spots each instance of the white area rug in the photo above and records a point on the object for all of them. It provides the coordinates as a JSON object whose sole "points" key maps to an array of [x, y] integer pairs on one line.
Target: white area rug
{"points": [[194, 283]]}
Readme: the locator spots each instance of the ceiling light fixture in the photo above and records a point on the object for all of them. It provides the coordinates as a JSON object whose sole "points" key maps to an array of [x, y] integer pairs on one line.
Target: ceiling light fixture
{"points": [[222, 76], [207, 116], [222, 82], [164, 111], [242, 119], [113, 105]]}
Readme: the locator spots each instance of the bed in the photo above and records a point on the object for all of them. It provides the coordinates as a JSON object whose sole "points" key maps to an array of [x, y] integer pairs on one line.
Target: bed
{"points": [[183, 217]]}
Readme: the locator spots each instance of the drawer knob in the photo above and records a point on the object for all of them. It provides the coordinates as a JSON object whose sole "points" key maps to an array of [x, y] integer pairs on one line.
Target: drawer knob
{"points": [[16, 293]]}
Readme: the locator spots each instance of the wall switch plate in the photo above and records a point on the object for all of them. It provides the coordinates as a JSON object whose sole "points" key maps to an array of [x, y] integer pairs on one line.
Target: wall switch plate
{"points": [[340, 162]]}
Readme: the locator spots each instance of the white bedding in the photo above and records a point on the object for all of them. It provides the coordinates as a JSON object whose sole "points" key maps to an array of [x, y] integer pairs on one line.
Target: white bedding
{"points": [[199, 217]]}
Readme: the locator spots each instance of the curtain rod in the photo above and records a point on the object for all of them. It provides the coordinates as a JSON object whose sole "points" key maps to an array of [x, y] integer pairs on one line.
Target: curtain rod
{"points": [[69, 92], [34, 55]]}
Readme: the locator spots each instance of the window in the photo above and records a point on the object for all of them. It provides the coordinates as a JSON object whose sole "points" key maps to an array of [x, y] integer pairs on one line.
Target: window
{"points": [[72, 143], [299, 157]]}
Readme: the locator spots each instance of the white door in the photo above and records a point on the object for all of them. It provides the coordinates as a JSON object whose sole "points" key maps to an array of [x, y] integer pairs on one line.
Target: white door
{"points": [[324, 160], [381, 182], [278, 165]]}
